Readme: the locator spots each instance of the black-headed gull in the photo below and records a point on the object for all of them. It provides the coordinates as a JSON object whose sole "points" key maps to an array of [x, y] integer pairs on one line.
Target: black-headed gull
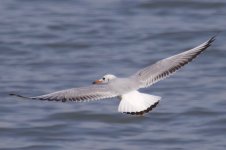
{"points": [[126, 89]]}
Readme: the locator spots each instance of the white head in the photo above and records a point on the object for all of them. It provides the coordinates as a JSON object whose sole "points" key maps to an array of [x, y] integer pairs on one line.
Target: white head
{"points": [[105, 79]]}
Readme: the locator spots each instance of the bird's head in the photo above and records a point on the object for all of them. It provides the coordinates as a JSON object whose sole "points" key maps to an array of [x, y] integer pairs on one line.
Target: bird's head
{"points": [[105, 79]]}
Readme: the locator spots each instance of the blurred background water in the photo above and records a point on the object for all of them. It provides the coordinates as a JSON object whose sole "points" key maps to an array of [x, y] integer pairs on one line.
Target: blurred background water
{"points": [[50, 45]]}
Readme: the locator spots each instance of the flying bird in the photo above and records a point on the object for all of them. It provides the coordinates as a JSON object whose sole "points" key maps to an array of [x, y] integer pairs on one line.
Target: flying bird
{"points": [[126, 89]]}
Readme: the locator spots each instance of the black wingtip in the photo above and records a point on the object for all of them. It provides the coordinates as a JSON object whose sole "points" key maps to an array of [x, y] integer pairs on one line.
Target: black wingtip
{"points": [[12, 94], [17, 95], [213, 38], [210, 41]]}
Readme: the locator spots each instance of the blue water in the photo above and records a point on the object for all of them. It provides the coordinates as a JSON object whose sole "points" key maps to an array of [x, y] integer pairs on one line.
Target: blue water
{"points": [[50, 45]]}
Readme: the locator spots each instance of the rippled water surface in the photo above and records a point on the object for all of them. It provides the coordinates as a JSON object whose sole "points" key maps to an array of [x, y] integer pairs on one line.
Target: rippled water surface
{"points": [[50, 45]]}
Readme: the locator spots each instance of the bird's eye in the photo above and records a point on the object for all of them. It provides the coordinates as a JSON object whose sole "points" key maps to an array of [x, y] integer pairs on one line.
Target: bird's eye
{"points": [[103, 78]]}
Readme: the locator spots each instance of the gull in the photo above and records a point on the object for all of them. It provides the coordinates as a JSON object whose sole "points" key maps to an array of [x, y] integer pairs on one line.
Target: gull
{"points": [[132, 101]]}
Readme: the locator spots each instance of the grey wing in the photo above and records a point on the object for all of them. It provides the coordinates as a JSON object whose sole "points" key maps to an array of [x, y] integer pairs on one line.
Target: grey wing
{"points": [[164, 68], [94, 92]]}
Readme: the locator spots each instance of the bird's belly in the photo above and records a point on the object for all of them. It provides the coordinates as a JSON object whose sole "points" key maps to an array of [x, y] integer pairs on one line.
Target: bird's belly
{"points": [[123, 86], [125, 89]]}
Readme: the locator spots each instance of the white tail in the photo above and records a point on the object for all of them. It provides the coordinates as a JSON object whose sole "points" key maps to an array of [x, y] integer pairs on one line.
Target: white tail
{"points": [[136, 103]]}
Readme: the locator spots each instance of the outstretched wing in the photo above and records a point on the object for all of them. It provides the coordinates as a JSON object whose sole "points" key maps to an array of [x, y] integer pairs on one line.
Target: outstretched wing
{"points": [[93, 92], [165, 67]]}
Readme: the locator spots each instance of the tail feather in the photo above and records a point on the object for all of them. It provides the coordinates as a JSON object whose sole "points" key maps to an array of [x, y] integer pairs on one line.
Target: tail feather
{"points": [[144, 111], [136, 103]]}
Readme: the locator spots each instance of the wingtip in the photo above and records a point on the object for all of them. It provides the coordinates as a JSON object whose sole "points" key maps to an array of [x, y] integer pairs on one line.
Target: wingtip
{"points": [[213, 38], [17, 95], [12, 94], [210, 41]]}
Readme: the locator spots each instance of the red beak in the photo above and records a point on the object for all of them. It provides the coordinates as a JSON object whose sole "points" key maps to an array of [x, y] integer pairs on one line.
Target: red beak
{"points": [[97, 82]]}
